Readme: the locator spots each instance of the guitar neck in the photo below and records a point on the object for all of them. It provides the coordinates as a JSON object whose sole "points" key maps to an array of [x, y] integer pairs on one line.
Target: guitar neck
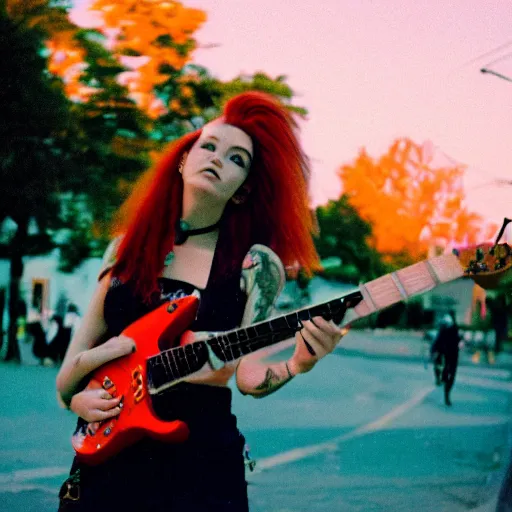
{"points": [[170, 366], [407, 282]]}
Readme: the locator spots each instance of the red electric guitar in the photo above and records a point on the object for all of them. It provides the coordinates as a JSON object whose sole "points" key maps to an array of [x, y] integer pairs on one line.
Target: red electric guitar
{"points": [[149, 370]]}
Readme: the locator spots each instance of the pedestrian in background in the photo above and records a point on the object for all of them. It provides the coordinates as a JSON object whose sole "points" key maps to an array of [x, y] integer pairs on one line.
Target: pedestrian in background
{"points": [[445, 355]]}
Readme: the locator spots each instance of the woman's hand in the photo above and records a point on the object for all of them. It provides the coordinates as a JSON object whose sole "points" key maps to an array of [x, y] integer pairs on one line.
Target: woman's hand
{"points": [[317, 339], [86, 362], [95, 404]]}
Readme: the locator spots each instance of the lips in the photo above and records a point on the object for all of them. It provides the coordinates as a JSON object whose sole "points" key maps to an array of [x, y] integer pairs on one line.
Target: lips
{"points": [[212, 171]]}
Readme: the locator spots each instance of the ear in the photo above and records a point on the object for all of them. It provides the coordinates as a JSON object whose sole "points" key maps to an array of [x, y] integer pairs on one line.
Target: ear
{"points": [[182, 162]]}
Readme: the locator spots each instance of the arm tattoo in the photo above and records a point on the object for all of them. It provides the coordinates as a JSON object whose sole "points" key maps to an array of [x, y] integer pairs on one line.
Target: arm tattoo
{"points": [[264, 279], [272, 382]]}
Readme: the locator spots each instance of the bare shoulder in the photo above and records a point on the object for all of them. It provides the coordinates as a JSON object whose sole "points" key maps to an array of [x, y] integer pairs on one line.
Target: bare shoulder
{"points": [[93, 326], [263, 278], [109, 257]]}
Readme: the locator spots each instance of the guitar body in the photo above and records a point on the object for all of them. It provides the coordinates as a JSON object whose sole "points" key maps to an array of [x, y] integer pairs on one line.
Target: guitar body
{"points": [[126, 377]]}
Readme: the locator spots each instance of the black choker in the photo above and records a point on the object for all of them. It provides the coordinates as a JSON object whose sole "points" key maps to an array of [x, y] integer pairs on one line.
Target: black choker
{"points": [[183, 231]]}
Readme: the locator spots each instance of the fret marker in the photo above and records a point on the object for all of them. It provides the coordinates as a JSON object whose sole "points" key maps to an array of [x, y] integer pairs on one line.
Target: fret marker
{"points": [[433, 273], [368, 299], [398, 284]]}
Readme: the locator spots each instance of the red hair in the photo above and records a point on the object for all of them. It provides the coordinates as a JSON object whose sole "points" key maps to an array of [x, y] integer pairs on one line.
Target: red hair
{"points": [[275, 213]]}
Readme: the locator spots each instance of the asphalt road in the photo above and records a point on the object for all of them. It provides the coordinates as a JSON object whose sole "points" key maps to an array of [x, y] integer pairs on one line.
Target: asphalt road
{"points": [[355, 434]]}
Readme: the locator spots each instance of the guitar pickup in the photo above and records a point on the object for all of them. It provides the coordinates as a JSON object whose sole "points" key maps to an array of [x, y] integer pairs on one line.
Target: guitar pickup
{"points": [[109, 386]]}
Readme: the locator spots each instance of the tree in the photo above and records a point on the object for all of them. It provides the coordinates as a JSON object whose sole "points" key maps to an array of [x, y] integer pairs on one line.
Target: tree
{"points": [[158, 39], [34, 125], [112, 136], [410, 203], [344, 234], [100, 103], [54, 149], [155, 40]]}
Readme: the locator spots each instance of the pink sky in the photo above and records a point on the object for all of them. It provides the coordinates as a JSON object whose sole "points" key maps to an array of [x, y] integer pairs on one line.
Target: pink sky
{"points": [[372, 70]]}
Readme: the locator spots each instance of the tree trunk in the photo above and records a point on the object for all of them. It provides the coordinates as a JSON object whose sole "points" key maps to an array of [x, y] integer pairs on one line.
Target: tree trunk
{"points": [[17, 250]]}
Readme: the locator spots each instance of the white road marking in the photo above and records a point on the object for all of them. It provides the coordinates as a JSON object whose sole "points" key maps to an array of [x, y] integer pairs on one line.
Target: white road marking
{"points": [[23, 475], [17, 487], [332, 445], [18, 480], [23, 479]]}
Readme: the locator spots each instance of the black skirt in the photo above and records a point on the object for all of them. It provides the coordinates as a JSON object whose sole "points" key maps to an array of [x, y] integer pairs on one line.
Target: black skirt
{"points": [[205, 473]]}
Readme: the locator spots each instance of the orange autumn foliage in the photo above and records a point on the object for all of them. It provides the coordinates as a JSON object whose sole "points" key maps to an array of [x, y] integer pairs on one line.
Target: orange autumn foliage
{"points": [[156, 35], [412, 203], [66, 60], [149, 37]]}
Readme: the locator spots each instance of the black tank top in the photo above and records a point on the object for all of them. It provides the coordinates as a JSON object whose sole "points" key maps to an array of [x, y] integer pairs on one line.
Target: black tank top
{"points": [[221, 308], [221, 305]]}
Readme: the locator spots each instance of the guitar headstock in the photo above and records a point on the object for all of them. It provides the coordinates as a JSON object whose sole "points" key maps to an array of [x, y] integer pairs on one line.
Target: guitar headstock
{"points": [[489, 265]]}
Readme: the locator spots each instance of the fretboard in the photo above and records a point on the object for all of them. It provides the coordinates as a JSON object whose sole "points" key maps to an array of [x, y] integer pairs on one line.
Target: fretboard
{"points": [[173, 365], [407, 282]]}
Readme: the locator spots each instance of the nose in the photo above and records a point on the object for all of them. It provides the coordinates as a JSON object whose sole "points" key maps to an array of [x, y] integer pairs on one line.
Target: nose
{"points": [[217, 162]]}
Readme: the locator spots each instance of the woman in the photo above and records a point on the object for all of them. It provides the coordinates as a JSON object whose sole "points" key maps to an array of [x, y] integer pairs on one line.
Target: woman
{"points": [[240, 185]]}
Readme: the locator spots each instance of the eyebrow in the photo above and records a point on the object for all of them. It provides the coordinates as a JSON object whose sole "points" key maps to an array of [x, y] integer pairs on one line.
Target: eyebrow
{"points": [[238, 148]]}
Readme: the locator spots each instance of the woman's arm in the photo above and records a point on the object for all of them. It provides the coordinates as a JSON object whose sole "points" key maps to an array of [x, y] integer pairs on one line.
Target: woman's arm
{"points": [[264, 279], [81, 358]]}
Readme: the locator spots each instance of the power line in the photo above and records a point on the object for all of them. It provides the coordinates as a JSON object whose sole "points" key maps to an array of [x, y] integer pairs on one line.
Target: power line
{"points": [[486, 68], [490, 52], [493, 183], [499, 59], [471, 168]]}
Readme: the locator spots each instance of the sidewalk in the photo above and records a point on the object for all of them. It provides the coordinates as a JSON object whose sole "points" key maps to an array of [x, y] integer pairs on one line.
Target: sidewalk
{"points": [[409, 346]]}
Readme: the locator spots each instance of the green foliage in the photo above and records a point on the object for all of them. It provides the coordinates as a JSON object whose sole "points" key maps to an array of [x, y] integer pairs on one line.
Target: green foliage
{"points": [[52, 147], [258, 82], [345, 235], [75, 236], [112, 138], [35, 122], [94, 148], [208, 96]]}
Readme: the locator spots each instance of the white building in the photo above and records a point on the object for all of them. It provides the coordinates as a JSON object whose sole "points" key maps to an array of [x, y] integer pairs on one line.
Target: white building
{"points": [[43, 285]]}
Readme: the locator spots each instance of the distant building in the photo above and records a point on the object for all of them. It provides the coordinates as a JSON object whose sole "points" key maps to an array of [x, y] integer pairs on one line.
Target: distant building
{"points": [[45, 289]]}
